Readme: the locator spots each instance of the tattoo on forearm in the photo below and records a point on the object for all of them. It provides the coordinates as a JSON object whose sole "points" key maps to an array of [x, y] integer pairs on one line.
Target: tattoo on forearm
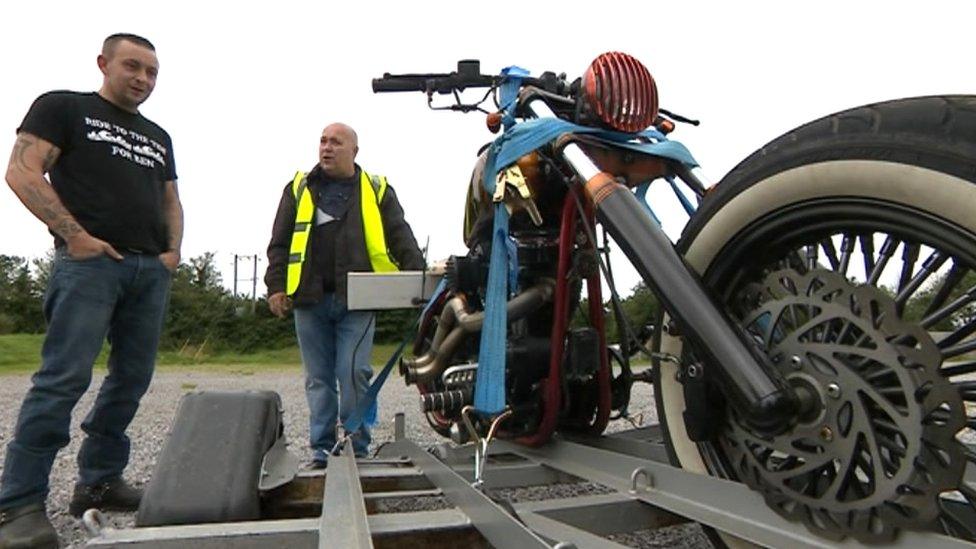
{"points": [[46, 205], [34, 190], [66, 228]]}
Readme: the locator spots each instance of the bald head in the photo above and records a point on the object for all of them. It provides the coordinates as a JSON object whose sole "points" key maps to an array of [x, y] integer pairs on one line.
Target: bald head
{"points": [[337, 150], [343, 129]]}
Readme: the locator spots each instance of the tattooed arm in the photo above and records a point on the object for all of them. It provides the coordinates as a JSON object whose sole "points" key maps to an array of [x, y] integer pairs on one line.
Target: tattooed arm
{"points": [[173, 210], [31, 158]]}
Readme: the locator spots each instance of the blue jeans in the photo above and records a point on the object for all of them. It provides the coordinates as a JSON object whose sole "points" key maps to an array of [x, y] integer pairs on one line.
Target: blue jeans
{"points": [[86, 301], [336, 345]]}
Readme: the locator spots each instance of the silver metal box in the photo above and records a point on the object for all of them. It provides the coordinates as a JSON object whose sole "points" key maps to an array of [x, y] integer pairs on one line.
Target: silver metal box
{"points": [[399, 290]]}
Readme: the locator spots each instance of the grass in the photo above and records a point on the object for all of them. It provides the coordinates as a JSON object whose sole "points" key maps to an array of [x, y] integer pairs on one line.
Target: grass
{"points": [[20, 354]]}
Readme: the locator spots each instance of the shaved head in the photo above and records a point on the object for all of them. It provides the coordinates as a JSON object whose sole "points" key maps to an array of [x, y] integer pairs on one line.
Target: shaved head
{"points": [[108, 46], [129, 65], [345, 129], [337, 150]]}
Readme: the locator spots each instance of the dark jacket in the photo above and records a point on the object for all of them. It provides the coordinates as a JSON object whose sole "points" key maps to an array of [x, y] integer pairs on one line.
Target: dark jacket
{"points": [[350, 239]]}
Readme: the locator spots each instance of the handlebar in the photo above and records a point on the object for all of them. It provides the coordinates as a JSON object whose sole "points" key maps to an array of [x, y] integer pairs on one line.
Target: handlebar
{"points": [[468, 75]]}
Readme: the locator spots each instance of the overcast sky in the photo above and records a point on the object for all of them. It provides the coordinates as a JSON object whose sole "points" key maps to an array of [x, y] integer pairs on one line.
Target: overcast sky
{"points": [[245, 89]]}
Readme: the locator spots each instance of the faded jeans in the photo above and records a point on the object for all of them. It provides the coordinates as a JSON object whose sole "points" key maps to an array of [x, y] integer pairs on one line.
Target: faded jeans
{"points": [[86, 301], [336, 345]]}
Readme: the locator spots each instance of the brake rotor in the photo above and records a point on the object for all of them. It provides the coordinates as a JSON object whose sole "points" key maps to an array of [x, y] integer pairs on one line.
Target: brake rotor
{"points": [[875, 442]]}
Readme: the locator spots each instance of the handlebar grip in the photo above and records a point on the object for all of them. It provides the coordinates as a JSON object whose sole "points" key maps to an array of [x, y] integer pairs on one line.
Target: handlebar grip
{"points": [[401, 83], [468, 75]]}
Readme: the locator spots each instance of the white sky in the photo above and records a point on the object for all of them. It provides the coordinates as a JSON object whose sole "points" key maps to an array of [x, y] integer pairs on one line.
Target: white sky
{"points": [[245, 88]]}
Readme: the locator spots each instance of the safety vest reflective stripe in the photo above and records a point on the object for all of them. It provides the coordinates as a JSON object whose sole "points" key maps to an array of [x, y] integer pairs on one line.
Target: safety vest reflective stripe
{"points": [[379, 257], [303, 228], [373, 189]]}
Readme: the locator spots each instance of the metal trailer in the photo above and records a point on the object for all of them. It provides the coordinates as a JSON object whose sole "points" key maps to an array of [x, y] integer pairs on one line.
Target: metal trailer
{"points": [[343, 505]]}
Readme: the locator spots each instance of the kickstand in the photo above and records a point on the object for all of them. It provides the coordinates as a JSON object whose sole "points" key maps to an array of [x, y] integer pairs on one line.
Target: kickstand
{"points": [[481, 444]]}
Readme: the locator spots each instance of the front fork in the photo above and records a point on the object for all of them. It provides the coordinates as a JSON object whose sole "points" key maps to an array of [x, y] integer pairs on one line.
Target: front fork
{"points": [[754, 387]]}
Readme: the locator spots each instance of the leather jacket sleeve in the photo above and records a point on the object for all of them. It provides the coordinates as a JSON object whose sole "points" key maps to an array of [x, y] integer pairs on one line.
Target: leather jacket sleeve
{"points": [[280, 245], [399, 237]]}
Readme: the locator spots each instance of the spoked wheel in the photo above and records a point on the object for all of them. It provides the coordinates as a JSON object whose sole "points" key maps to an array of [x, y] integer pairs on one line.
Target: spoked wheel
{"points": [[847, 249]]}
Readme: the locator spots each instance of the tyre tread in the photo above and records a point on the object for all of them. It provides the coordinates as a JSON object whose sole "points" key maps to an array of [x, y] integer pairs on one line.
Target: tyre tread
{"points": [[936, 132]]}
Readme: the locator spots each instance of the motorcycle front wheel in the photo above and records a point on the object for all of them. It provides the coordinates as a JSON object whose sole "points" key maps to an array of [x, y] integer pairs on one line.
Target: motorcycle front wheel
{"points": [[847, 249]]}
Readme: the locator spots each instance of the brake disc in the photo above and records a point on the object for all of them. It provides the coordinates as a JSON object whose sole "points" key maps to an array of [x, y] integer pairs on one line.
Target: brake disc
{"points": [[875, 442]]}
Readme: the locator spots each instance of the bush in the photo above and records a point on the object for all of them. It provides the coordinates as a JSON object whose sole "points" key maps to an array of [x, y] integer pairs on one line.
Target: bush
{"points": [[202, 314], [21, 297]]}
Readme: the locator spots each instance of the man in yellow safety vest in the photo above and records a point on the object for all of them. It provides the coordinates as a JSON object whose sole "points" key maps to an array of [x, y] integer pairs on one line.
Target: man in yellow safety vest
{"points": [[333, 220]]}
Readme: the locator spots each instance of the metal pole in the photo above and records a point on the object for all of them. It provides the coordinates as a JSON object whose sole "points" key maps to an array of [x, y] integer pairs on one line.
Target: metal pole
{"points": [[235, 275], [495, 524], [344, 522], [254, 284], [725, 505]]}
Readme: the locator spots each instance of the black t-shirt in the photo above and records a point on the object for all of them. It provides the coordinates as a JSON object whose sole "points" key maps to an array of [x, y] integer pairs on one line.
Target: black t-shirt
{"points": [[112, 169]]}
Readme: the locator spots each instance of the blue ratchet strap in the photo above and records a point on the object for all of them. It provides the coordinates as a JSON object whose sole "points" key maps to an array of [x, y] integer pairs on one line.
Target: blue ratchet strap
{"points": [[366, 410], [685, 203], [509, 93], [527, 136], [641, 192], [489, 393]]}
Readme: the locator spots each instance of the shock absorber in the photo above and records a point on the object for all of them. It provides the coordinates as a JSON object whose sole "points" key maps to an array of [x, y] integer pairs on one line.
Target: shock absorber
{"points": [[447, 402]]}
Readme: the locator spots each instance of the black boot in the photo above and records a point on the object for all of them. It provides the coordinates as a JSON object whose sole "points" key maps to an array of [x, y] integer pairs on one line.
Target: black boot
{"points": [[26, 527], [113, 495]]}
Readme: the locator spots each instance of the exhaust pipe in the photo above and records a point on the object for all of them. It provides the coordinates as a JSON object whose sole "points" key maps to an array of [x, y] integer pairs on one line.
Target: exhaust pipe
{"points": [[456, 323]]}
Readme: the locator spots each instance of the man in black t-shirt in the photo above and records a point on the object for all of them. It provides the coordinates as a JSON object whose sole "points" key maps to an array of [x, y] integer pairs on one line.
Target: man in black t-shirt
{"points": [[113, 209]]}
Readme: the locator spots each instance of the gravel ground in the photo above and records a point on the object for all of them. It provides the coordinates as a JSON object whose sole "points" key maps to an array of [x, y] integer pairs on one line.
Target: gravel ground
{"points": [[151, 425]]}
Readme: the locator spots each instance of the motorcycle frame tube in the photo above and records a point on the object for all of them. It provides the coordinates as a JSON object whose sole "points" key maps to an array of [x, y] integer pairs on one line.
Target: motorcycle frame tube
{"points": [[754, 387], [552, 391], [594, 293], [693, 178]]}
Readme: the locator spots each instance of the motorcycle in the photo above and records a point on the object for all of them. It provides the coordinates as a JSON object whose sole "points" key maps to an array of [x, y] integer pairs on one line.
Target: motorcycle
{"points": [[819, 308]]}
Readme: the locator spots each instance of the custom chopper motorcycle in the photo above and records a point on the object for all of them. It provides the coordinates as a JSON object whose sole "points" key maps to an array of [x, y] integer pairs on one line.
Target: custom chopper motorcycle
{"points": [[819, 308]]}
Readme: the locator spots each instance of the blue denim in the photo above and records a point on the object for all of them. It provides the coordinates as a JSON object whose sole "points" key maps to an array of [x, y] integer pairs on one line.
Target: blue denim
{"points": [[86, 301], [336, 345]]}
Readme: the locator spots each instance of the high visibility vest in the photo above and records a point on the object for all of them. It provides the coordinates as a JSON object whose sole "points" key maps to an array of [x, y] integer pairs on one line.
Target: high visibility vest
{"points": [[372, 190]]}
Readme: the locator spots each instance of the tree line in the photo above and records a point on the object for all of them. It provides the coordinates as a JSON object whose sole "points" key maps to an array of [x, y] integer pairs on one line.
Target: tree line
{"points": [[202, 312]]}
